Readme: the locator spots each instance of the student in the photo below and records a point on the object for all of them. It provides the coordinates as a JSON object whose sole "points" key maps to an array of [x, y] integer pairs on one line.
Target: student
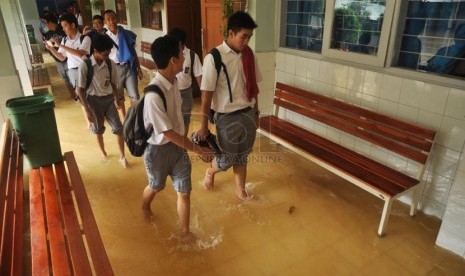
{"points": [[125, 56], [56, 32], [97, 27], [166, 153], [101, 97], [236, 109], [185, 81]]}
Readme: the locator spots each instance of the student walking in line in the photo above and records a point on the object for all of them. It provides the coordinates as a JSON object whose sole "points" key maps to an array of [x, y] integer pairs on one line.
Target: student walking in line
{"points": [[192, 71], [56, 32], [96, 87], [166, 153], [97, 27], [124, 55], [233, 97]]}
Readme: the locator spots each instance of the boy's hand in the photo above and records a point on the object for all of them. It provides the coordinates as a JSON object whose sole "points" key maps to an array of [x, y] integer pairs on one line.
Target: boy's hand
{"points": [[206, 154]]}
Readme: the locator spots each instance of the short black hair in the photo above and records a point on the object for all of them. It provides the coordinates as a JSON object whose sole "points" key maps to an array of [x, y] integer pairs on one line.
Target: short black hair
{"points": [[97, 16], [241, 20], [163, 49], [71, 19], [179, 34], [101, 42], [109, 11], [50, 17]]}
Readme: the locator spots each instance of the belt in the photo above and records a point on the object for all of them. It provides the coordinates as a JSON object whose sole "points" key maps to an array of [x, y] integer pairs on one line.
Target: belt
{"points": [[75, 68], [244, 110], [123, 63]]}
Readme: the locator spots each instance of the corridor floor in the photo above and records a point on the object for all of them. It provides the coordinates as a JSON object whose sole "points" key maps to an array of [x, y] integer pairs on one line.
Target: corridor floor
{"points": [[306, 221]]}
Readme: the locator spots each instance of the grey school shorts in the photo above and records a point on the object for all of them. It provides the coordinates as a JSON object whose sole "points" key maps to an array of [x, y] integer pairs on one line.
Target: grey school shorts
{"points": [[62, 68], [104, 108], [187, 104], [73, 76], [168, 159], [127, 80], [236, 133]]}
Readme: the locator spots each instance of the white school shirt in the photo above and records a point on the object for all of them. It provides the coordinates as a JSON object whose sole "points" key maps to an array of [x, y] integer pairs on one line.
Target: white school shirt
{"points": [[220, 100], [154, 112], [114, 52], [73, 60], [100, 85], [185, 78]]}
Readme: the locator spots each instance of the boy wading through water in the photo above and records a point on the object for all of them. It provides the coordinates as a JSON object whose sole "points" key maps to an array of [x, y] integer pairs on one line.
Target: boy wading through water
{"points": [[99, 96], [166, 153]]}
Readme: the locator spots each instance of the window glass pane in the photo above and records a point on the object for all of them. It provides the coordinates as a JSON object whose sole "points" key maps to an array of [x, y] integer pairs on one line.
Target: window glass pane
{"points": [[303, 24], [433, 38], [357, 25]]}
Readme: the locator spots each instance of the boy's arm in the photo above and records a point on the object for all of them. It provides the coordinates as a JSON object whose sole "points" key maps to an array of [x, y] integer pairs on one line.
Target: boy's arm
{"points": [[205, 112], [140, 74], [54, 52], [85, 105], [182, 141]]}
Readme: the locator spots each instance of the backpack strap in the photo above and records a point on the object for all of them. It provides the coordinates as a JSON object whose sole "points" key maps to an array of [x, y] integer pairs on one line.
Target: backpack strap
{"points": [[108, 61], [114, 43], [90, 73], [192, 54], [218, 64], [153, 88]]}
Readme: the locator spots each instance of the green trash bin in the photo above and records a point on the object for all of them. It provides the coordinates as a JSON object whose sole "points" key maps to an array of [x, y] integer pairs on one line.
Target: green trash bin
{"points": [[33, 119], [30, 34]]}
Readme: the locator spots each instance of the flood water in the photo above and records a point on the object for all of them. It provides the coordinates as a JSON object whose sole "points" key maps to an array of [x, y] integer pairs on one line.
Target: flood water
{"points": [[305, 221]]}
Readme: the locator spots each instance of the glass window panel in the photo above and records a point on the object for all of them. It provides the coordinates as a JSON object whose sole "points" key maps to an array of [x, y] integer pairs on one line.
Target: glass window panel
{"points": [[357, 25], [303, 24], [433, 38]]}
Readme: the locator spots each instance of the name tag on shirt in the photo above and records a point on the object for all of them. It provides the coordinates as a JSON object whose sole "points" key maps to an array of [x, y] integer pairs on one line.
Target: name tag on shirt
{"points": [[186, 70]]}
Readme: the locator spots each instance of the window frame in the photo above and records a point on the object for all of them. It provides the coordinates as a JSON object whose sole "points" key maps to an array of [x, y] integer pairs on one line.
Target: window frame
{"points": [[388, 66]]}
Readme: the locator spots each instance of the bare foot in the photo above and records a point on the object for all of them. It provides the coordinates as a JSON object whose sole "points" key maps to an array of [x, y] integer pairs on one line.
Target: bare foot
{"points": [[105, 158], [209, 179], [244, 196], [147, 214], [187, 237]]}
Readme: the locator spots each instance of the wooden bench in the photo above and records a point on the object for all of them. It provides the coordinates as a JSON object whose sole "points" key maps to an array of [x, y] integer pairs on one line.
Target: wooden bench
{"points": [[40, 79], [404, 139], [147, 63], [11, 204], [65, 239], [36, 59]]}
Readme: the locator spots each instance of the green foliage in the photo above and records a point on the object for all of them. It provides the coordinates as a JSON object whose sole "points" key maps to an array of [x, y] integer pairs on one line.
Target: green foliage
{"points": [[228, 9], [96, 4], [149, 3], [347, 25]]}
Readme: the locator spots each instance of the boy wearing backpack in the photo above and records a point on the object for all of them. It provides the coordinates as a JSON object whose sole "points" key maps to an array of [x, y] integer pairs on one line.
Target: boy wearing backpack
{"points": [[229, 88], [97, 90], [192, 71], [165, 154]]}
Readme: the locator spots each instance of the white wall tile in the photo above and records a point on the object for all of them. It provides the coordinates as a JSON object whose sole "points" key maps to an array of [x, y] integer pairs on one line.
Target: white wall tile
{"points": [[313, 69], [431, 207], [379, 154], [430, 120], [280, 76], [412, 170], [326, 72], [462, 162], [347, 141], [354, 97], [308, 124], [280, 61], [339, 93], [289, 78], [452, 133], [410, 93], [437, 188], [372, 83], [434, 98], [451, 240], [333, 134], [390, 88], [320, 129], [457, 193], [300, 82], [301, 67], [370, 102], [455, 107], [362, 147], [397, 162], [407, 113], [311, 85], [340, 73], [387, 107], [355, 79], [324, 89], [444, 161], [289, 66]]}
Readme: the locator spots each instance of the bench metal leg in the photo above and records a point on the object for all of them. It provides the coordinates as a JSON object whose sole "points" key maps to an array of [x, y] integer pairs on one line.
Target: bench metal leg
{"points": [[385, 216], [416, 193]]}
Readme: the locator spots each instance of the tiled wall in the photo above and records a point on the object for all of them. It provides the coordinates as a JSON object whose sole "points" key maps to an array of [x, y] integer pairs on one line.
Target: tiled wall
{"points": [[437, 107], [266, 63]]}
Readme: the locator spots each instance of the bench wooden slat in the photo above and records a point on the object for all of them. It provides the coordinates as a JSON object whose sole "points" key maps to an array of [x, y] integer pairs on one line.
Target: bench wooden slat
{"points": [[365, 124], [79, 259], [58, 251], [39, 251], [99, 257], [374, 174], [414, 130], [19, 201], [390, 144]]}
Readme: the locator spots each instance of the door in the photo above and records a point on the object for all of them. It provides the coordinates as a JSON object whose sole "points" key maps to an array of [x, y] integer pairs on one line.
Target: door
{"points": [[212, 20]]}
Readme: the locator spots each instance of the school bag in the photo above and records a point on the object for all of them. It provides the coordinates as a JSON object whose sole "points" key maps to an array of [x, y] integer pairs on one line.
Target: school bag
{"points": [[218, 65], [90, 71], [134, 132]]}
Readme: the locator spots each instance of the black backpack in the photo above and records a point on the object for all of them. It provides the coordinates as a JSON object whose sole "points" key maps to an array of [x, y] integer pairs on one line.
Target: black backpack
{"points": [[90, 72], [218, 64], [134, 133]]}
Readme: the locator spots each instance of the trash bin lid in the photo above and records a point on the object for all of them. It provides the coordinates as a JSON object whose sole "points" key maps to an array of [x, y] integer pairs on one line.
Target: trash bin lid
{"points": [[29, 103]]}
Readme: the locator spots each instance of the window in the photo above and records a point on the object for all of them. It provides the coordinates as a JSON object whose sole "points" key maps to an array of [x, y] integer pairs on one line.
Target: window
{"points": [[121, 11], [433, 37], [303, 27], [151, 17]]}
